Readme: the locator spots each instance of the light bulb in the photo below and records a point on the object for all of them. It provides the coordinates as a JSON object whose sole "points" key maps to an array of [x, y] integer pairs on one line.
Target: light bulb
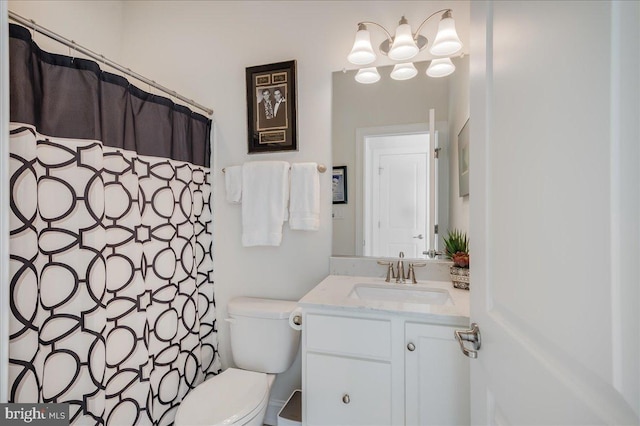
{"points": [[403, 47], [447, 42], [362, 53], [367, 75], [404, 71], [440, 67]]}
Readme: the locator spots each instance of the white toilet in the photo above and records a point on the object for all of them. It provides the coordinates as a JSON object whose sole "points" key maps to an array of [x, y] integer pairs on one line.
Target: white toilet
{"points": [[262, 344]]}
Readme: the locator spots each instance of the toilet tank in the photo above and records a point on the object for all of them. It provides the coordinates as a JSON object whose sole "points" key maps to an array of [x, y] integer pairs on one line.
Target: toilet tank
{"points": [[261, 338]]}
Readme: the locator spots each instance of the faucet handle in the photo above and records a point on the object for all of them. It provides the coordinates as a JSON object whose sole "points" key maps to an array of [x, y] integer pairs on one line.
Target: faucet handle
{"points": [[412, 272], [390, 272]]}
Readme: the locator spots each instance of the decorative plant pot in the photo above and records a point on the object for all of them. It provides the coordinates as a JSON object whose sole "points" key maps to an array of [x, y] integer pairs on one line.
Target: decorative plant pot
{"points": [[459, 277]]}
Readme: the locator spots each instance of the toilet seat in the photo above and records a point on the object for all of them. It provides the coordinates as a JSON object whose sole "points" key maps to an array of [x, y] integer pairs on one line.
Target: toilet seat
{"points": [[232, 397]]}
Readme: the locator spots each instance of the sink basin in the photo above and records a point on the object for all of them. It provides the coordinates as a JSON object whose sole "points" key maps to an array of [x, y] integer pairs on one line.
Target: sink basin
{"points": [[405, 293]]}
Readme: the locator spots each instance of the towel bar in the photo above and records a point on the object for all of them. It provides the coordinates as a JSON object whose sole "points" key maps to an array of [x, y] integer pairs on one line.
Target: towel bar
{"points": [[321, 168]]}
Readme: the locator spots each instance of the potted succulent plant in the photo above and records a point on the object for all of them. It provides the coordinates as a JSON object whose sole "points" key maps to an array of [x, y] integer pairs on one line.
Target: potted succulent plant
{"points": [[456, 245]]}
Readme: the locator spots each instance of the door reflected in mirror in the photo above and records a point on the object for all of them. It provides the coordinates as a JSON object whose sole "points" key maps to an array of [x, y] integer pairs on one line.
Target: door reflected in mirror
{"points": [[388, 207], [395, 187]]}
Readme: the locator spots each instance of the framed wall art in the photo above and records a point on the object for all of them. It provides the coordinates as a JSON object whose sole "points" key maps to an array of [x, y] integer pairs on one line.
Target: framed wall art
{"points": [[271, 107], [339, 185]]}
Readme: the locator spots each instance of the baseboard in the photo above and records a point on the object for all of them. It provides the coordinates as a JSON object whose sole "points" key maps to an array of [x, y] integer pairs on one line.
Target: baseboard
{"points": [[274, 407]]}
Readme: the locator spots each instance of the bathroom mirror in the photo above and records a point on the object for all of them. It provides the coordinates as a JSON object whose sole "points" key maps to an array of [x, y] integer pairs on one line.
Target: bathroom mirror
{"points": [[371, 118]]}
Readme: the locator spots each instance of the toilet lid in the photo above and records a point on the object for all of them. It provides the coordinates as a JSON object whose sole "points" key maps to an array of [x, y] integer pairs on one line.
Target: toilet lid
{"points": [[223, 399]]}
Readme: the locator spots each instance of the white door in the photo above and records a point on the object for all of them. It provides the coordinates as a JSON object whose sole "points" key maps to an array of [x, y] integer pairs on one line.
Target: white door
{"points": [[396, 190], [400, 205], [555, 212]]}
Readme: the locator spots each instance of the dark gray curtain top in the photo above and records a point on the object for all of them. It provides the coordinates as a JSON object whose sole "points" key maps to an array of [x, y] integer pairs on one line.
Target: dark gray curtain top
{"points": [[73, 98]]}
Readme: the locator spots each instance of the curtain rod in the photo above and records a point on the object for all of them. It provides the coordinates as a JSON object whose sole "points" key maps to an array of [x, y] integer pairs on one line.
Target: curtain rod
{"points": [[30, 23]]}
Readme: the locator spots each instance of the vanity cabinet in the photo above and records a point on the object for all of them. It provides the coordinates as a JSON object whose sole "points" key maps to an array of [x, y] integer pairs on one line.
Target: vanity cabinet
{"points": [[364, 368], [348, 391], [436, 377], [348, 361]]}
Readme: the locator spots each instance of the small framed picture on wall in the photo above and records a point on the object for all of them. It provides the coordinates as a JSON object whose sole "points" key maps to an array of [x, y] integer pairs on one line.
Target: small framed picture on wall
{"points": [[271, 107], [339, 185]]}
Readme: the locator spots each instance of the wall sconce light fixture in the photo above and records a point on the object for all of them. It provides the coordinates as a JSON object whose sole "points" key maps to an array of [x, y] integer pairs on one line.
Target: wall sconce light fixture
{"points": [[405, 45]]}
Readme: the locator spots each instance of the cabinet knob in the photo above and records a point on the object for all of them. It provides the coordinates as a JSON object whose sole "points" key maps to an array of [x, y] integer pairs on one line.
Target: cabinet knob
{"points": [[411, 347], [346, 399]]}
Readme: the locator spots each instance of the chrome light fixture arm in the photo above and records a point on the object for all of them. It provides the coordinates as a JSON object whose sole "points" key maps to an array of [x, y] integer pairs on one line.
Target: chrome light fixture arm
{"points": [[447, 13], [363, 26]]}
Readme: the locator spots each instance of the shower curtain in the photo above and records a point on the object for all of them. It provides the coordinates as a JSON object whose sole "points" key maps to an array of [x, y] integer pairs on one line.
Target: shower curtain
{"points": [[112, 302]]}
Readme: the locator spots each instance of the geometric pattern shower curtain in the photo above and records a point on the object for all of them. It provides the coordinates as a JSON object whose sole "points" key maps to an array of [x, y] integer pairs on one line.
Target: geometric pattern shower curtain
{"points": [[112, 304]]}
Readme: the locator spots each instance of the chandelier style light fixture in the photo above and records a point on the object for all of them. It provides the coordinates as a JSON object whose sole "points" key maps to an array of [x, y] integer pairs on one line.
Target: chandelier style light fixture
{"points": [[405, 45]]}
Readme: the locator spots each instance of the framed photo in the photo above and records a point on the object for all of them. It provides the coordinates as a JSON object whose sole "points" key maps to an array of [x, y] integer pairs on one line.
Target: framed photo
{"points": [[463, 160], [271, 107], [339, 185]]}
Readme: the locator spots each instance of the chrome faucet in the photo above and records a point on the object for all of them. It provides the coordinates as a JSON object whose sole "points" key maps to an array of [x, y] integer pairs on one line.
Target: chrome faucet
{"points": [[401, 277]]}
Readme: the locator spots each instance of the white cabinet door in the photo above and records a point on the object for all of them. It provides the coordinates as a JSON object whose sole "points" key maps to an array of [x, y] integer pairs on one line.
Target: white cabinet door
{"points": [[347, 391], [555, 212], [436, 377]]}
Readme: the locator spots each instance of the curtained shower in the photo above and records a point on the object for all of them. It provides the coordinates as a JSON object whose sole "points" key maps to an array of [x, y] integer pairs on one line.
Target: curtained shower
{"points": [[112, 301]]}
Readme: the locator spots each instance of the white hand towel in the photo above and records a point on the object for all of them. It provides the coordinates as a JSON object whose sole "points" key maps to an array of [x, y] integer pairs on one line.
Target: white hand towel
{"points": [[233, 184], [265, 193], [305, 197]]}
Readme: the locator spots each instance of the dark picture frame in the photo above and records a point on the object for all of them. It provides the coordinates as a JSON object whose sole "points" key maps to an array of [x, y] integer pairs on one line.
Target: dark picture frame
{"points": [[272, 128], [339, 185], [463, 160]]}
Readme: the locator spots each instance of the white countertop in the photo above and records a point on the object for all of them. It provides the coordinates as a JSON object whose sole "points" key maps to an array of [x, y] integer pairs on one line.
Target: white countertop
{"points": [[333, 292]]}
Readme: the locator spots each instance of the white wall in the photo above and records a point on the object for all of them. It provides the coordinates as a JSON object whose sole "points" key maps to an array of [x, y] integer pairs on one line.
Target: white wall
{"points": [[96, 25], [201, 50]]}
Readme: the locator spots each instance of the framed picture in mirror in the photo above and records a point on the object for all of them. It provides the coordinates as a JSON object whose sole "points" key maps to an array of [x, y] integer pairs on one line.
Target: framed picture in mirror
{"points": [[271, 107], [339, 185], [463, 160]]}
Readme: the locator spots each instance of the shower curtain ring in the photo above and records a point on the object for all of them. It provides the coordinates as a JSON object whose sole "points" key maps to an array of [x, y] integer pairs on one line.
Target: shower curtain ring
{"points": [[33, 28], [72, 49]]}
